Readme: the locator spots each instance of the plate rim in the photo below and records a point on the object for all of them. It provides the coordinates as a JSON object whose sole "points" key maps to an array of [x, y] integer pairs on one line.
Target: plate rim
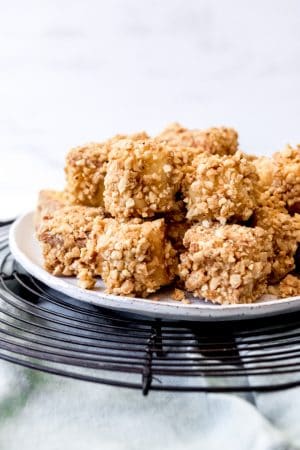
{"points": [[142, 306]]}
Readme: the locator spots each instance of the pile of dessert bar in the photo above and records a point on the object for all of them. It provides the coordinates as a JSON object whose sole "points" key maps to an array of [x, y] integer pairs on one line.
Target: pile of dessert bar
{"points": [[186, 208]]}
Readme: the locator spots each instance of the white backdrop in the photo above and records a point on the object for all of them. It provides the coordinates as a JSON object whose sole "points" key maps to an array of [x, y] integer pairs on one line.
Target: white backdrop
{"points": [[74, 71]]}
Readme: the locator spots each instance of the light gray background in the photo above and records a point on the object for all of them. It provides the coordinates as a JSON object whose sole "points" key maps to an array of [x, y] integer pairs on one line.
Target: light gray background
{"points": [[75, 71]]}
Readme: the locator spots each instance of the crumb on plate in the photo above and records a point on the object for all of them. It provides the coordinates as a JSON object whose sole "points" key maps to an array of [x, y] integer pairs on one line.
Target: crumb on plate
{"points": [[178, 295]]}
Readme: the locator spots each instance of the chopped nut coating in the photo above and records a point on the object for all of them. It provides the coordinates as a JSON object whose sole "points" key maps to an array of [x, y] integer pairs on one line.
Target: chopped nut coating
{"points": [[284, 230], [188, 144], [63, 237], [133, 258], [265, 169], [226, 263], [85, 171], [224, 188], [86, 168], [220, 141], [286, 178], [134, 205], [289, 286], [139, 180]]}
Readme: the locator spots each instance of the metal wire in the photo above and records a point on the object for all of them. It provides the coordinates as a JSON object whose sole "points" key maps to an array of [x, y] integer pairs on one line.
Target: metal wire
{"points": [[45, 330]]}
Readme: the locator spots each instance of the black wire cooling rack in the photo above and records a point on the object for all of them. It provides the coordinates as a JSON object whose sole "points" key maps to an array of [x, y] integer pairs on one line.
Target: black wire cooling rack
{"points": [[45, 330]]}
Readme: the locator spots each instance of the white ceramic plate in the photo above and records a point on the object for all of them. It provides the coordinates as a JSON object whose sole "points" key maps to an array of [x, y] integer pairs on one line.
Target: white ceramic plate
{"points": [[25, 248]]}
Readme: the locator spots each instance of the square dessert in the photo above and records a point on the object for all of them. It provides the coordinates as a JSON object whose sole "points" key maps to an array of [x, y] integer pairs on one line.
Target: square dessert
{"points": [[86, 168], [133, 258], [226, 263], [224, 188], [188, 144], [140, 179], [63, 237]]}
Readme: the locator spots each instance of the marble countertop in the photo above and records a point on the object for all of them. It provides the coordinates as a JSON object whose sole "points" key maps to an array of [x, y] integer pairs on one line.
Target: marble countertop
{"points": [[78, 71]]}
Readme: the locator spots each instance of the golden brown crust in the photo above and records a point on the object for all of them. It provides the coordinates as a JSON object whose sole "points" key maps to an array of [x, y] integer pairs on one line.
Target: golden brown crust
{"points": [[133, 258], [226, 263], [178, 178], [265, 170], [48, 202], [288, 287], [224, 188], [184, 169], [86, 168], [284, 231], [139, 180], [187, 144], [63, 237], [221, 141], [286, 178]]}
